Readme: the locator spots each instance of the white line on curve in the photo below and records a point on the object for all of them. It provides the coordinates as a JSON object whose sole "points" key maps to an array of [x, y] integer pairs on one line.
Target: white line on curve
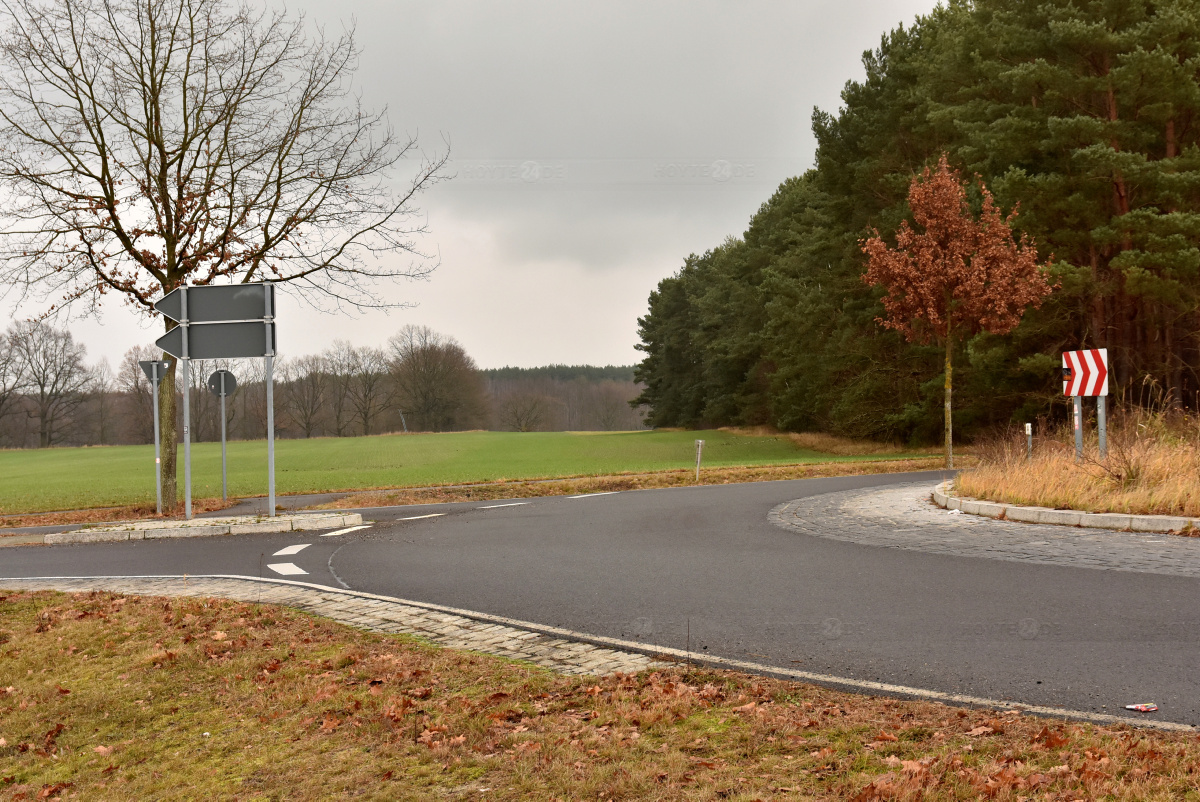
{"points": [[589, 495], [494, 506], [420, 517], [287, 569], [291, 550], [348, 529]]}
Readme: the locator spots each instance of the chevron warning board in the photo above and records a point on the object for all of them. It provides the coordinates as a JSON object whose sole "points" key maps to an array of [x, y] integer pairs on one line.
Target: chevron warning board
{"points": [[1085, 372]]}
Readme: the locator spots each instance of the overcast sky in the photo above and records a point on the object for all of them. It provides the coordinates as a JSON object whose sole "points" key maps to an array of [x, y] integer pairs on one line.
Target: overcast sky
{"points": [[594, 146]]}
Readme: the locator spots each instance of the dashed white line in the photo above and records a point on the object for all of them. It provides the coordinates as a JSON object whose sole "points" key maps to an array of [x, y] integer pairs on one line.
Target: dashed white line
{"points": [[495, 506], [589, 495], [420, 517], [348, 529], [291, 550], [287, 569]]}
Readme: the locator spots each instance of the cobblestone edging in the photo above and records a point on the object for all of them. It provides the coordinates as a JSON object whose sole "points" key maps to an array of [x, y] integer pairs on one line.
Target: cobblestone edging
{"points": [[550, 647], [374, 613], [943, 497], [197, 527], [904, 517]]}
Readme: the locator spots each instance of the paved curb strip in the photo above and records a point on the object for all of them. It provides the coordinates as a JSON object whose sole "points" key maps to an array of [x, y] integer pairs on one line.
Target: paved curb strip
{"points": [[198, 527], [559, 649], [1044, 515]]}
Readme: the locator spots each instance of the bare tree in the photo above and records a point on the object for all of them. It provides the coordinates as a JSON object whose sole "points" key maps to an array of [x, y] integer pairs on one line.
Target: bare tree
{"points": [[57, 379], [100, 402], [369, 390], [12, 376], [340, 360], [304, 389], [524, 411], [149, 144], [437, 384], [136, 388]]}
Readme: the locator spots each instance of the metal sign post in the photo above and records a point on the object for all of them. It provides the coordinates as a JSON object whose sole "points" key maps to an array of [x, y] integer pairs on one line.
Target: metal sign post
{"points": [[1086, 373], [222, 322], [699, 452], [269, 370], [222, 384], [187, 409]]}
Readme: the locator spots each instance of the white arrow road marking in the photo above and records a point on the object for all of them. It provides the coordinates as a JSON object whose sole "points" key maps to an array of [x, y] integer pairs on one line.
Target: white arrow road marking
{"points": [[589, 495], [420, 517], [287, 569], [347, 530], [291, 550], [495, 506]]}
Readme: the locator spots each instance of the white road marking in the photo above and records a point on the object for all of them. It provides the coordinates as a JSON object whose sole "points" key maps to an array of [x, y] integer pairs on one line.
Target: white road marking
{"points": [[589, 495], [287, 569], [494, 506], [420, 517], [291, 550], [348, 529]]}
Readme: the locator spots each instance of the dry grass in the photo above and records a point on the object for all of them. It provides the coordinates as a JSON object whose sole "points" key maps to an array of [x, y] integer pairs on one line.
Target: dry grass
{"points": [[108, 697], [1153, 467], [632, 481], [97, 515], [830, 443]]}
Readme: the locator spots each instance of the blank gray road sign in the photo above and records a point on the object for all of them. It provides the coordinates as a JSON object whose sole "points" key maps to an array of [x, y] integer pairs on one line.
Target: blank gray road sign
{"points": [[214, 383], [148, 369], [218, 340], [214, 304]]}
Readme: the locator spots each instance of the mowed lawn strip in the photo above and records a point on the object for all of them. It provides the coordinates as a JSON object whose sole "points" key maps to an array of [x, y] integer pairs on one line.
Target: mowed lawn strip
{"points": [[109, 697], [73, 478]]}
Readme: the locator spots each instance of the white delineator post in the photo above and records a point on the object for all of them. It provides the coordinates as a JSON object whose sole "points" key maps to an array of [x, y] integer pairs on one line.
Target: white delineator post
{"points": [[1029, 442], [699, 453]]}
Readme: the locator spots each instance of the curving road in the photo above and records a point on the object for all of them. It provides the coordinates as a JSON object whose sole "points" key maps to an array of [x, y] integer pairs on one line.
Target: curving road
{"points": [[853, 584]]}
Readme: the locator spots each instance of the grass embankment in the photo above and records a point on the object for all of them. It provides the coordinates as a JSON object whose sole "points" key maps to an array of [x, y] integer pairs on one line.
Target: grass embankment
{"points": [[112, 698], [113, 476], [1152, 468]]}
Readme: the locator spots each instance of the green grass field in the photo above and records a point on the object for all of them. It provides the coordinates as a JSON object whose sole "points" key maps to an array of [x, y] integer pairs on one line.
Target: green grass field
{"points": [[72, 478]]}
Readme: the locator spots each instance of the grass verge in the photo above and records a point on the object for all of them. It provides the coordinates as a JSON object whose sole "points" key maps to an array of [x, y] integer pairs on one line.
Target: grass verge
{"points": [[108, 697], [42, 480], [1152, 468], [641, 481]]}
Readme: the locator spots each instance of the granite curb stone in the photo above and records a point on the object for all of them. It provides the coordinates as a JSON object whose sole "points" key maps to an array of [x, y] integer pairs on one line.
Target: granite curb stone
{"points": [[197, 527], [943, 497]]}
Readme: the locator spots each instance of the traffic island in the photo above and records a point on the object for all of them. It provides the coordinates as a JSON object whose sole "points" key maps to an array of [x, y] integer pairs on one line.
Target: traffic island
{"points": [[1166, 524], [199, 527]]}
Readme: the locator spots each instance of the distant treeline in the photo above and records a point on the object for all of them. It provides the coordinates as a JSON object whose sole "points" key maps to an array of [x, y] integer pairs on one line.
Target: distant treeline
{"points": [[420, 381], [1086, 115]]}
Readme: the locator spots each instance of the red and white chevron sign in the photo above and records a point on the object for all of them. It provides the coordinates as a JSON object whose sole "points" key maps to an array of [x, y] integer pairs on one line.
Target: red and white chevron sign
{"points": [[1085, 372]]}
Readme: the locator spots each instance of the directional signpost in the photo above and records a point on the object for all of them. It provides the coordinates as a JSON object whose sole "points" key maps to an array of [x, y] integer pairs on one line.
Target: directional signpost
{"points": [[1086, 373], [222, 384], [235, 321], [155, 371]]}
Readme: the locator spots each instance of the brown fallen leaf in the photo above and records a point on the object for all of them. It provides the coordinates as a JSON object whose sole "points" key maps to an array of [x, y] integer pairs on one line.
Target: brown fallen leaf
{"points": [[886, 736], [103, 750], [61, 689], [982, 730]]}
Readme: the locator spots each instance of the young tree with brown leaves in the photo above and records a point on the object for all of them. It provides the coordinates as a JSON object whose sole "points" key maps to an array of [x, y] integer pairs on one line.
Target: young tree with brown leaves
{"points": [[148, 144], [956, 276]]}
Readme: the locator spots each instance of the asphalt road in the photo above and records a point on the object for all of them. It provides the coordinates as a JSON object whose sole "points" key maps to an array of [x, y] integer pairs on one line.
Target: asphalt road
{"points": [[702, 568]]}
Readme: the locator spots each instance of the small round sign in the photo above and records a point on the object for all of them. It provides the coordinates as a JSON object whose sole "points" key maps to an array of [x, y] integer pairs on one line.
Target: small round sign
{"points": [[214, 383]]}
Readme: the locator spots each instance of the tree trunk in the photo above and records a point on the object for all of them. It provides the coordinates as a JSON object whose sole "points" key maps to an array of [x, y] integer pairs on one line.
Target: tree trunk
{"points": [[169, 438], [949, 422]]}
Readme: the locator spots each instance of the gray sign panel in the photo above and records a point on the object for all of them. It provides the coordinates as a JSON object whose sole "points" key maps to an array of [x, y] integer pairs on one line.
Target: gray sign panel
{"points": [[148, 369], [219, 340], [213, 304], [215, 386]]}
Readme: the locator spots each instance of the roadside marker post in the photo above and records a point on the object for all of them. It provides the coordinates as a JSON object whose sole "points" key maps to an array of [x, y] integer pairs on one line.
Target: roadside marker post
{"points": [[156, 371], [228, 321], [699, 452], [1029, 442], [1085, 373], [221, 384]]}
